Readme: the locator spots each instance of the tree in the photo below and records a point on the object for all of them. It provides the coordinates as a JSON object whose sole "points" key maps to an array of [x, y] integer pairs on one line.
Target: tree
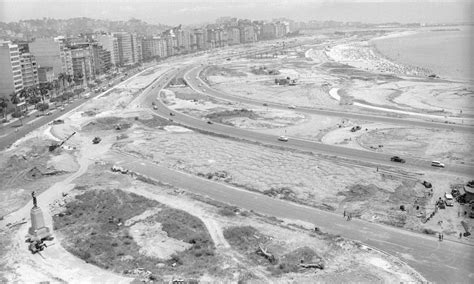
{"points": [[62, 79], [15, 99], [3, 106]]}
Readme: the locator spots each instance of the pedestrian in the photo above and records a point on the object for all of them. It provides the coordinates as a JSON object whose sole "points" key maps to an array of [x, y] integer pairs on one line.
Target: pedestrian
{"points": [[439, 236], [460, 235], [442, 236], [344, 214]]}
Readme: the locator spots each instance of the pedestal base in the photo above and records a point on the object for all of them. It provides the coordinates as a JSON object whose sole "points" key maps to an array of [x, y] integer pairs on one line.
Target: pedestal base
{"points": [[38, 230]]}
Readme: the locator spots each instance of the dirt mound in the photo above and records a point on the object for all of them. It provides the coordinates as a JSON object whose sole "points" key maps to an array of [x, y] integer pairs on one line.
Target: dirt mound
{"points": [[360, 192], [221, 116], [107, 123]]}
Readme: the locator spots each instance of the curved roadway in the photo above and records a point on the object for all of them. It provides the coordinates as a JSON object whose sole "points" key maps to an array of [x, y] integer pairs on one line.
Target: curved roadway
{"points": [[445, 262], [311, 146]]}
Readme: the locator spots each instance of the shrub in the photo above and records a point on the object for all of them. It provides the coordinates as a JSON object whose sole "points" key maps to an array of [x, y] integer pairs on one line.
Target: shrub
{"points": [[17, 114], [42, 106], [227, 212]]}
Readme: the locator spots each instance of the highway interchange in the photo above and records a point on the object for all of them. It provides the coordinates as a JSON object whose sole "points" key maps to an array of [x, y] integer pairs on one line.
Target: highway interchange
{"points": [[448, 261], [441, 262]]}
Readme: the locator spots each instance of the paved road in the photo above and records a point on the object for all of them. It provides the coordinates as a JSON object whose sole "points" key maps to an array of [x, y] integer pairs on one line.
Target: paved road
{"points": [[412, 164], [443, 262], [13, 132], [193, 80]]}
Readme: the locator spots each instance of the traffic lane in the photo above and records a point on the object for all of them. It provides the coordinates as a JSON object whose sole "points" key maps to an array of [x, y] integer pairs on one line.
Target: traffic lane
{"points": [[22, 131], [194, 81], [303, 145], [438, 261], [12, 136]]}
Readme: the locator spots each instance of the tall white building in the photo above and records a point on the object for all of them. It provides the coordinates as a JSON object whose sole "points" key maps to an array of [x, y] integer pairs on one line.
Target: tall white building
{"points": [[29, 70], [110, 43], [129, 47], [11, 79]]}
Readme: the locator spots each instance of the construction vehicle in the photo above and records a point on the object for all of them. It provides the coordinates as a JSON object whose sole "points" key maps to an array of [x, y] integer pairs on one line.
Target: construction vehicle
{"points": [[53, 146], [36, 246], [96, 140]]}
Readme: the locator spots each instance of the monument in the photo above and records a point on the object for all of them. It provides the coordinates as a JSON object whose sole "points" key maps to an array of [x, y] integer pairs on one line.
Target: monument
{"points": [[38, 230]]}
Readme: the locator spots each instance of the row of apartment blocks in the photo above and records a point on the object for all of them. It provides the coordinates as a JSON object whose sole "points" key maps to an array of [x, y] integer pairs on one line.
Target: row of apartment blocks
{"points": [[177, 40], [30, 64]]}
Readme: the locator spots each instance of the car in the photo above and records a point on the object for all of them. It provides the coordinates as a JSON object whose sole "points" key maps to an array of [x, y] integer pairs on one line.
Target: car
{"points": [[283, 138], [209, 122], [172, 114], [61, 108], [291, 107], [397, 159], [96, 140], [155, 107], [153, 103], [58, 121], [437, 164], [427, 184], [448, 199], [49, 113], [355, 128], [265, 104]]}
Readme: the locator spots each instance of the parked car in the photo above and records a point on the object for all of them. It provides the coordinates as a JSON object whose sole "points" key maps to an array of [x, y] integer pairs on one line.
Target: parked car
{"points": [[437, 164], [448, 199], [172, 114], [283, 138], [209, 122], [155, 107], [355, 128], [427, 184], [291, 107], [397, 159], [58, 121], [265, 104], [49, 113]]}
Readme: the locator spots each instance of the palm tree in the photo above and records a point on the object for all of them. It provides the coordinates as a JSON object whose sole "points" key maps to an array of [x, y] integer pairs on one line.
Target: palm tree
{"points": [[43, 91], [62, 79], [15, 99], [3, 106], [69, 79], [56, 86]]}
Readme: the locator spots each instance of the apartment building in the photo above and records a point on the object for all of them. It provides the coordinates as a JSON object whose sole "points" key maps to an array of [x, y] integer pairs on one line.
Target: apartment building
{"points": [[29, 70], [11, 80], [52, 52], [109, 43], [233, 35], [153, 47]]}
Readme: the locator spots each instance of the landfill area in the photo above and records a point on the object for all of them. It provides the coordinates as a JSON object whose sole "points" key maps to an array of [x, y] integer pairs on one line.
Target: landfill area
{"points": [[111, 222]]}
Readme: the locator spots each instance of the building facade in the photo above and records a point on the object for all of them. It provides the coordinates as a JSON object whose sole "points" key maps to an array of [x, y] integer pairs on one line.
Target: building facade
{"points": [[110, 44], [52, 52], [29, 70], [11, 80]]}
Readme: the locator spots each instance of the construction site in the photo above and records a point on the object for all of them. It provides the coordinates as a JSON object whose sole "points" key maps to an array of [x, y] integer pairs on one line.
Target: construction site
{"points": [[126, 187]]}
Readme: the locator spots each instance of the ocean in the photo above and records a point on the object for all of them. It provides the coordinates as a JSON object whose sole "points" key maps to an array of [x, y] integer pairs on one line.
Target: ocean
{"points": [[446, 53]]}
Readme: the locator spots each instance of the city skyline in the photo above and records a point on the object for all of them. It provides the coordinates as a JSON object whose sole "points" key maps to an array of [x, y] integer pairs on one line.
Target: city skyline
{"points": [[197, 12]]}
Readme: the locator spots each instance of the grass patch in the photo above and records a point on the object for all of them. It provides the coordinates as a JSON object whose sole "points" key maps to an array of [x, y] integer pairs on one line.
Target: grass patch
{"points": [[221, 115], [93, 229], [291, 261]]}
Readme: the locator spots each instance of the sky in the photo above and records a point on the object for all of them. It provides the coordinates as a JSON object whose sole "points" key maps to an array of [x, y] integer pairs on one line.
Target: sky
{"points": [[198, 11]]}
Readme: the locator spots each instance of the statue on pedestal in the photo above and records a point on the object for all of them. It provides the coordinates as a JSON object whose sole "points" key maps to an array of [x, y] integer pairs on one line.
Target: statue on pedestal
{"points": [[35, 204], [38, 230]]}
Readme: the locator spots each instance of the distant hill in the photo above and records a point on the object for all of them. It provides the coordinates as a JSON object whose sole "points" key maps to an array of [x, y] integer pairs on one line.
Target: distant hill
{"points": [[48, 27]]}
